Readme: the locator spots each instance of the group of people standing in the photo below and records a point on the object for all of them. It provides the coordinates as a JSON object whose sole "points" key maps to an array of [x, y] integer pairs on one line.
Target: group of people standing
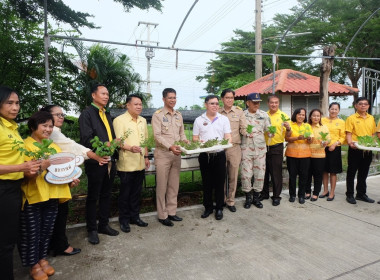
{"points": [[36, 211]]}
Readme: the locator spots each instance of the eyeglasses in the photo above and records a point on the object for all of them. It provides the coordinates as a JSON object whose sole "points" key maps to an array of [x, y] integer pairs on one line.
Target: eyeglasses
{"points": [[58, 115], [213, 103]]}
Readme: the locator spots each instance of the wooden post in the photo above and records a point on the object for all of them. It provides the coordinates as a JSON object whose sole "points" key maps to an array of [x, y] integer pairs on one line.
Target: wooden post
{"points": [[326, 66]]}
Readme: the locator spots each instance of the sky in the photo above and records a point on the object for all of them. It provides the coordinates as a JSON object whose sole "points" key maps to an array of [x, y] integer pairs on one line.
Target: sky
{"points": [[210, 23]]}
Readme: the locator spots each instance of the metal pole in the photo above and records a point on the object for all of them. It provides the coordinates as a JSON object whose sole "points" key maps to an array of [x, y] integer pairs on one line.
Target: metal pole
{"points": [[183, 22], [46, 45], [258, 42], [274, 61]]}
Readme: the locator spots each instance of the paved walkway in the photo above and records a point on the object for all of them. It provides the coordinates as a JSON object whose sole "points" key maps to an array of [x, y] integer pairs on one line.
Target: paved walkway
{"points": [[317, 240]]}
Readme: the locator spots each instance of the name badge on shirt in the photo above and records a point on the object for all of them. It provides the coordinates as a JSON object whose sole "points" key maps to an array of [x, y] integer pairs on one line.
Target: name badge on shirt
{"points": [[165, 119], [205, 123]]}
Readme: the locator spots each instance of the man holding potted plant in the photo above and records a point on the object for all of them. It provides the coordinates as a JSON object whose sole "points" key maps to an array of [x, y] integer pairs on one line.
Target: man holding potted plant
{"points": [[233, 155], [96, 121], [168, 128]]}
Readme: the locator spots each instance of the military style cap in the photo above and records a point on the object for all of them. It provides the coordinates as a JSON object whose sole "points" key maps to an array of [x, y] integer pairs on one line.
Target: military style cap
{"points": [[254, 97]]}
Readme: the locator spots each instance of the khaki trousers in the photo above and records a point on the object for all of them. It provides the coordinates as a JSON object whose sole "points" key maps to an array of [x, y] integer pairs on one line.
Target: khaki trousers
{"points": [[168, 167], [233, 158]]}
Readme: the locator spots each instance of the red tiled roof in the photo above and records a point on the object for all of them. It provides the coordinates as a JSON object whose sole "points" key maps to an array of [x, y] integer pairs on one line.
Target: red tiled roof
{"points": [[288, 81]]}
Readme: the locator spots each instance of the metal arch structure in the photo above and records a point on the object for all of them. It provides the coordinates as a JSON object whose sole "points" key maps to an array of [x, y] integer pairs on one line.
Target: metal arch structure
{"points": [[357, 32], [370, 87], [183, 22], [274, 58]]}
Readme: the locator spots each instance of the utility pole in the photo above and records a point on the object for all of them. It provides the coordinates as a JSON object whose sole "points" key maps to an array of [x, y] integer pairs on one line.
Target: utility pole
{"points": [[149, 53], [258, 42]]}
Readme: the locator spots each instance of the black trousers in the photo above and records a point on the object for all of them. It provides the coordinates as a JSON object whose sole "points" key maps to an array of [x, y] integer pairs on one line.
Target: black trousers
{"points": [[274, 158], [317, 166], [99, 188], [297, 167], [59, 242], [358, 161], [130, 195], [213, 170], [10, 207]]}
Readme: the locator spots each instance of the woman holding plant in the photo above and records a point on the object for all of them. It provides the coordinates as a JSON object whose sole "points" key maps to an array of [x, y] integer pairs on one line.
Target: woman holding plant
{"points": [[317, 147], [333, 162], [12, 170], [40, 198], [59, 243], [298, 153]]}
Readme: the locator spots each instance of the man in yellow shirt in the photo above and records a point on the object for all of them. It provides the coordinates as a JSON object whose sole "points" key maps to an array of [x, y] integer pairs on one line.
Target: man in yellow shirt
{"points": [[133, 159], [275, 154], [359, 124]]}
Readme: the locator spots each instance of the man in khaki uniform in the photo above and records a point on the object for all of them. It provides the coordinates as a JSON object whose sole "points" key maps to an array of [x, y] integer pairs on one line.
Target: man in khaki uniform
{"points": [[167, 128], [233, 155]]}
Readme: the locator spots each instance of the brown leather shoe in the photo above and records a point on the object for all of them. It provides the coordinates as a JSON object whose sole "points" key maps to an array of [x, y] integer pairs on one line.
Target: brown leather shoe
{"points": [[37, 273], [46, 267]]}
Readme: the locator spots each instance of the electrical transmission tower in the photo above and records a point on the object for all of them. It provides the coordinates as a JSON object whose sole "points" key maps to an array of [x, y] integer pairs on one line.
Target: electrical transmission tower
{"points": [[149, 53]]}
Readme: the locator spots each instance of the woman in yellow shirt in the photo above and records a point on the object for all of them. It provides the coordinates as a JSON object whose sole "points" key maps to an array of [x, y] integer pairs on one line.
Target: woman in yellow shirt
{"points": [[333, 163], [40, 203], [298, 153], [12, 168], [317, 159]]}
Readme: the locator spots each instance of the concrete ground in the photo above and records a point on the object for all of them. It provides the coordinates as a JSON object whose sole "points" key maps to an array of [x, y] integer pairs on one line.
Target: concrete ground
{"points": [[317, 240]]}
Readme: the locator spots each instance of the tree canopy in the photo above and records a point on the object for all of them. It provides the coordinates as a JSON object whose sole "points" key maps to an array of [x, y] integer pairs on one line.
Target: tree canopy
{"points": [[34, 10]]}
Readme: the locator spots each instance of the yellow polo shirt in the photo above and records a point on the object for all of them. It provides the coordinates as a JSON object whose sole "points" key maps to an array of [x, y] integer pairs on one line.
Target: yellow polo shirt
{"points": [[337, 129], [317, 151], [8, 134], [103, 117], [279, 136], [128, 161], [359, 126], [378, 127], [37, 189]]}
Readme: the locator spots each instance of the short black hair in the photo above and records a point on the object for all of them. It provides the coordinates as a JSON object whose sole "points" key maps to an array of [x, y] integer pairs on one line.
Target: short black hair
{"points": [[315, 110], [5, 93], [168, 90], [211, 96], [48, 108], [227, 90], [334, 103], [271, 96], [296, 112], [361, 99], [39, 118], [94, 87], [129, 97]]}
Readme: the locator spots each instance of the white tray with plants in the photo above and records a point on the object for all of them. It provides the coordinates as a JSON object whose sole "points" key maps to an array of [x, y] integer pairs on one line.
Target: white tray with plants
{"points": [[202, 147], [368, 143]]}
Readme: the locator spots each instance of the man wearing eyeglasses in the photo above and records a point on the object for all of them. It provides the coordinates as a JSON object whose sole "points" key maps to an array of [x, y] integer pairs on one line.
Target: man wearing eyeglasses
{"points": [[359, 124], [168, 128], [208, 126], [233, 155]]}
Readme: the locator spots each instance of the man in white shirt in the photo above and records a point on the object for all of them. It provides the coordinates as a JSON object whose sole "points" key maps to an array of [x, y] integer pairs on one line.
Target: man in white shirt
{"points": [[211, 125]]}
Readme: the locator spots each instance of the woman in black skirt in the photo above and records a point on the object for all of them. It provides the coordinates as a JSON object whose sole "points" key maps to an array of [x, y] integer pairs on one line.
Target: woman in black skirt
{"points": [[333, 163]]}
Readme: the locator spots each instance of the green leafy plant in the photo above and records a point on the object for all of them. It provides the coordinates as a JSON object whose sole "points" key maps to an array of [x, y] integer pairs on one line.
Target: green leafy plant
{"points": [[210, 143], [195, 145], [249, 128], [43, 152], [188, 146], [108, 148], [305, 132], [224, 142], [323, 135], [272, 129], [284, 118], [368, 141]]}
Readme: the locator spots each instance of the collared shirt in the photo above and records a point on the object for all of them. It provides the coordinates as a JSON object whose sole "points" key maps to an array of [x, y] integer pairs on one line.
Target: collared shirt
{"points": [[279, 136], [208, 130], [337, 130], [9, 156], [299, 148], [68, 145], [359, 126], [237, 122], [37, 189], [128, 161], [260, 122], [167, 128], [102, 114], [318, 151]]}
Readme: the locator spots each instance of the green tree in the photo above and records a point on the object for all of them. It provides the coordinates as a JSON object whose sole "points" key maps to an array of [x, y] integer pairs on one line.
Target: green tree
{"points": [[22, 63], [34, 10], [101, 64]]}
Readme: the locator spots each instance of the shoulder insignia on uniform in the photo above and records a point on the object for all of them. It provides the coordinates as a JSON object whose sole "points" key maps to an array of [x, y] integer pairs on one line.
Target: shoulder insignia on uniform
{"points": [[178, 112], [158, 111], [237, 107]]}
